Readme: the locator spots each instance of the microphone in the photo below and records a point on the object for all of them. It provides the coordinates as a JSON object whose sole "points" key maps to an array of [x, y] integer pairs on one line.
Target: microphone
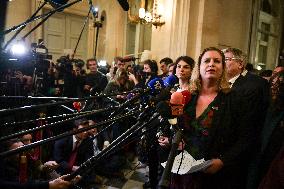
{"points": [[170, 81], [129, 59], [186, 95], [156, 85], [57, 3], [165, 94], [93, 9], [177, 103], [124, 4]]}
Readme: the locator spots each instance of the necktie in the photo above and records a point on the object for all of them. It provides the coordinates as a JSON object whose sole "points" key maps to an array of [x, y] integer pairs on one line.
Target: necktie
{"points": [[23, 169], [73, 155]]}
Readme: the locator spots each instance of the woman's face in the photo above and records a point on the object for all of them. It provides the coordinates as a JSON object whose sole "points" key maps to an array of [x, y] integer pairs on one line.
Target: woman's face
{"points": [[211, 67], [147, 68], [123, 78], [183, 70]]}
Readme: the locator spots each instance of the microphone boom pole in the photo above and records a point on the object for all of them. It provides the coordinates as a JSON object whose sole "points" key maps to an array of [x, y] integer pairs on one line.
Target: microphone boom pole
{"points": [[91, 162], [14, 135], [39, 17], [8, 111], [62, 135]]}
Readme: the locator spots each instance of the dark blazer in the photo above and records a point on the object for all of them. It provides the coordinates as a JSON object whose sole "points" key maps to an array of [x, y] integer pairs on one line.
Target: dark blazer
{"points": [[230, 139], [63, 149], [255, 93]]}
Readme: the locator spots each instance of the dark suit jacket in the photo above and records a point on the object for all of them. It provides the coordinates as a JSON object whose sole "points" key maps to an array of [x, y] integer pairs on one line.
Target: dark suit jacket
{"points": [[255, 93], [63, 149]]}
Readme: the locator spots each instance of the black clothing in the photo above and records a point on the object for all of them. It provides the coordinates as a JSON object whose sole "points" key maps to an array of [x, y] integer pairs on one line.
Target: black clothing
{"points": [[97, 81], [229, 139]]}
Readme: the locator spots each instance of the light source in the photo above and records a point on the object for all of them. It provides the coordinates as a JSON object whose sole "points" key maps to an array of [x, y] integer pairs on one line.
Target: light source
{"points": [[18, 49], [149, 17]]}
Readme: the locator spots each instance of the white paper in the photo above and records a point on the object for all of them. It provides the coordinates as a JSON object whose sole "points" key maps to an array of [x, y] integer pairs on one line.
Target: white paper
{"points": [[188, 165]]}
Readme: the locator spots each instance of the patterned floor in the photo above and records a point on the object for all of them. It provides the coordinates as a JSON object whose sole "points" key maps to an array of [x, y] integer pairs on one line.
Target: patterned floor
{"points": [[134, 178]]}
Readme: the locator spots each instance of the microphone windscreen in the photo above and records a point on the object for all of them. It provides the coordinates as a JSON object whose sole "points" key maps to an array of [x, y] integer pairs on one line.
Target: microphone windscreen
{"points": [[164, 109], [186, 95], [156, 85], [165, 94], [124, 4], [130, 95], [177, 103], [57, 3], [77, 106], [170, 81], [177, 98]]}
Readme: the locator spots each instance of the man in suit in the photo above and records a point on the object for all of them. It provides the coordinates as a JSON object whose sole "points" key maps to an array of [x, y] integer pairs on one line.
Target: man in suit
{"points": [[253, 88], [74, 150], [254, 92]]}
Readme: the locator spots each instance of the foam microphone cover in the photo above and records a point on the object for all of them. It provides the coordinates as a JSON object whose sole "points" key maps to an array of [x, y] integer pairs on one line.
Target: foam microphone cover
{"points": [[170, 81], [165, 94], [77, 106], [177, 103], [156, 85], [164, 109], [124, 4], [57, 3], [186, 95], [177, 98]]}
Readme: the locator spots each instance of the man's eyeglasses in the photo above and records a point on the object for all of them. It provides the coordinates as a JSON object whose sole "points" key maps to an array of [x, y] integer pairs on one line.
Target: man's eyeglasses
{"points": [[230, 59]]}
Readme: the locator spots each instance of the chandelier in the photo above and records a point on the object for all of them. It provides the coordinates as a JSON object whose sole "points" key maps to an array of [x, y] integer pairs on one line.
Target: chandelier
{"points": [[154, 17]]}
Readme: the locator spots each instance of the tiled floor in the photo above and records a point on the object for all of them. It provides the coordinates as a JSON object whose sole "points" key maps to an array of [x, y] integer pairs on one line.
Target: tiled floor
{"points": [[134, 179]]}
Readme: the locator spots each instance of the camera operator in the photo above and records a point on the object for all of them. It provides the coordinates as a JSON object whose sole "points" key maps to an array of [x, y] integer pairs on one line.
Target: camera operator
{"points": [[51, 87], [95, 80], [80, 76], [66, 76]]}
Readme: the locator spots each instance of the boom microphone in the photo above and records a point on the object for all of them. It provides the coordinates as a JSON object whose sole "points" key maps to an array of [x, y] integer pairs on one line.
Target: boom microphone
{"points": [[124, 4], [156, 85], [177, 103], [170, 81]]}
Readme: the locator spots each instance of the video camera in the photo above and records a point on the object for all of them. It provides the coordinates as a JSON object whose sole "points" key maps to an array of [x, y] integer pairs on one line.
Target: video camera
{"points": [[40, 56]]}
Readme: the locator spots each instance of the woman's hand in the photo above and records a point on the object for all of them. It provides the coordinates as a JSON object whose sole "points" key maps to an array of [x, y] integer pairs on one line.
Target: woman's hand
{"points": [[133, 78], [163, 141], [216, 165]]}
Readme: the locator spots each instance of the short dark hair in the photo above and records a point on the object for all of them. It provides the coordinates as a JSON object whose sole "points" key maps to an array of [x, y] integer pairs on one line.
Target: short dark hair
{"points": [[82, 121], [89, 60], [187, 60], [167, 61], [265, 73]]}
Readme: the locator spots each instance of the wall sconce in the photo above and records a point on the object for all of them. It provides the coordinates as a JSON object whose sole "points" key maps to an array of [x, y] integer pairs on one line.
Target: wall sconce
{"points": [[147, 17]]}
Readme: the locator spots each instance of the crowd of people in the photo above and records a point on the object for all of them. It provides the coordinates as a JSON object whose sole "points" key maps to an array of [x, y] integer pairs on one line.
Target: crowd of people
{"points": [[234, 118]]}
